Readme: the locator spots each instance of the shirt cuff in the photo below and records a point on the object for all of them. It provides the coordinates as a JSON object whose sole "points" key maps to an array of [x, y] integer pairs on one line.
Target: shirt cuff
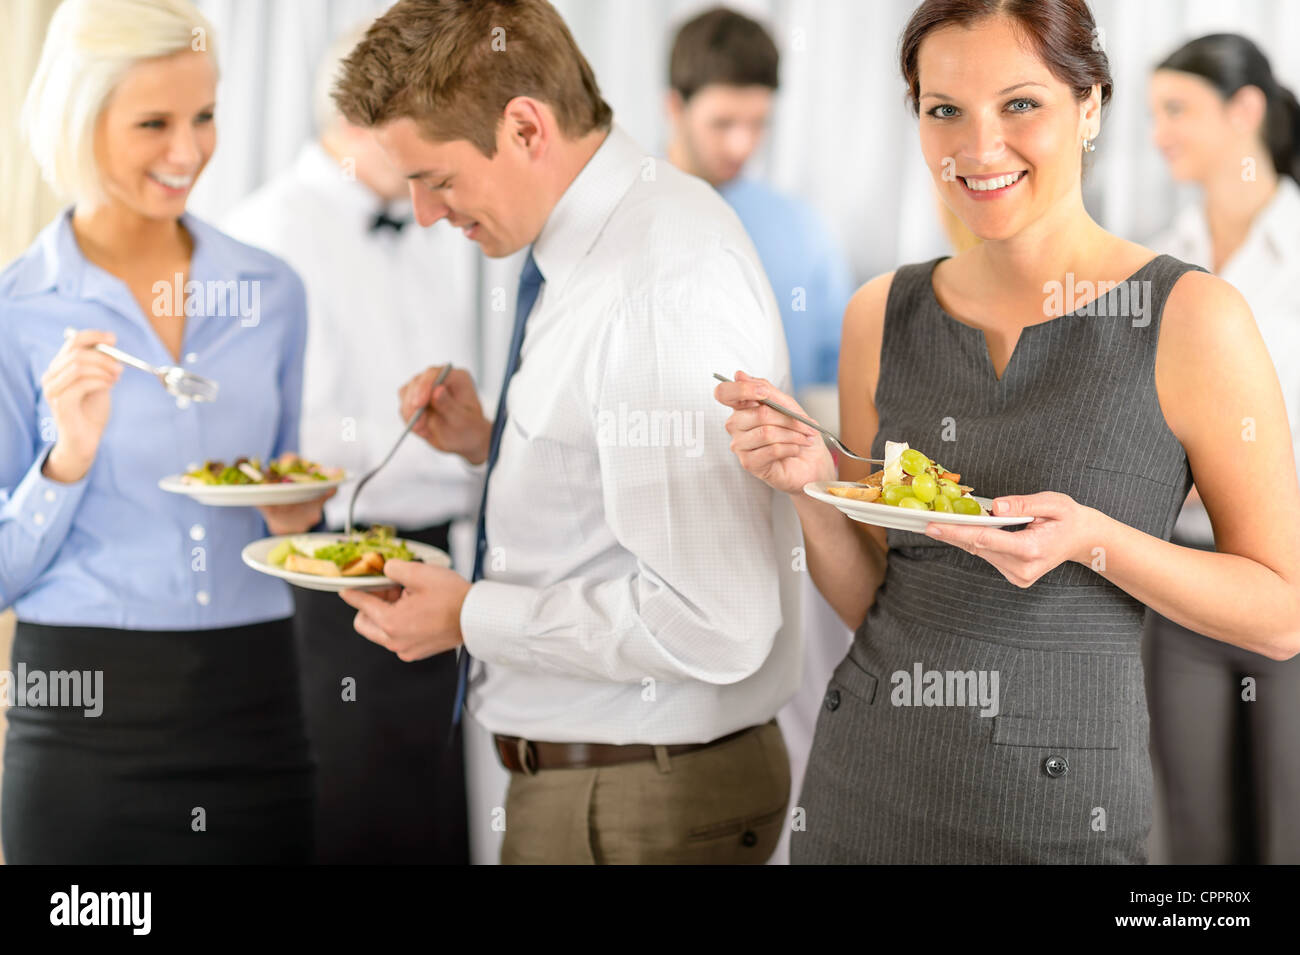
{"points": [[493, 619], [44, 507]]}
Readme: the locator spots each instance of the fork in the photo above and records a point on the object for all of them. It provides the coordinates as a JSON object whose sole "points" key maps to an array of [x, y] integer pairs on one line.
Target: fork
{"points": [[829, 436], [442, 376], [177, 381]]}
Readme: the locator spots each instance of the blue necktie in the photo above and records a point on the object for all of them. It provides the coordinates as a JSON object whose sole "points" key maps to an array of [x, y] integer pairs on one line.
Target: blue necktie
{"points": [[530, 283]]}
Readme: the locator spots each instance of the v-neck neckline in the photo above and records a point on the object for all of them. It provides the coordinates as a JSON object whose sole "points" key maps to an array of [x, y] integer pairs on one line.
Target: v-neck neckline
{"points": [[130, 308], [1015, 349]]}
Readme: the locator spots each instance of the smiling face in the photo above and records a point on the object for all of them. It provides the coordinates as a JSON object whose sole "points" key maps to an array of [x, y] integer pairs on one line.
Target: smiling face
{"points": [[1001, 135], [156, 133], [1193, 127], [719, 128], [498, 203]]}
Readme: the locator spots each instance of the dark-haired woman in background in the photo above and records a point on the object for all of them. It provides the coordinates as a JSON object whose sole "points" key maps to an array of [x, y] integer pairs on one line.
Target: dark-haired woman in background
{"points": [[1031, 745], [1225, 723]]}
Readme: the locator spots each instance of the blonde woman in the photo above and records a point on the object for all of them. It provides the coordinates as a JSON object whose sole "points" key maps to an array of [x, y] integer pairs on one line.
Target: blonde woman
{"points": [[184, 741]]}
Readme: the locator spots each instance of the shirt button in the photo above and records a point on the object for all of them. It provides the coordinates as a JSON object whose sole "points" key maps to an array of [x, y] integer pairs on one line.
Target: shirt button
{"points": [[1056, 766], [182, 402], [38, 518], [749, 839], [49, 495], [197, 532], [202, 597], [832, 700], [191, 358]]}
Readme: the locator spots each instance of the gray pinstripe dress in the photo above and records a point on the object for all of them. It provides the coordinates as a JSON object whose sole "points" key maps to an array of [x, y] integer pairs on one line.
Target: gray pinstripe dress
{"points": [[1058, 770]]}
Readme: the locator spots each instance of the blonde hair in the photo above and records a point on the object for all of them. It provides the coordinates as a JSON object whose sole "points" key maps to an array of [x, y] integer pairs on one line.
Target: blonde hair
{"points": [[89, 46]]}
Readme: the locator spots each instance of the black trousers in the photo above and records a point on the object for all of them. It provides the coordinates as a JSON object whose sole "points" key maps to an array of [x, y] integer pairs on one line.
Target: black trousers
{"points": [[1230, 765], [389, 772], [197, 753]]}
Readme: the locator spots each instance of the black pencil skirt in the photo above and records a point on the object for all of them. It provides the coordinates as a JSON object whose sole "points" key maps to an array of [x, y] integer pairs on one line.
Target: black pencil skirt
{"points": [[197, 754]]}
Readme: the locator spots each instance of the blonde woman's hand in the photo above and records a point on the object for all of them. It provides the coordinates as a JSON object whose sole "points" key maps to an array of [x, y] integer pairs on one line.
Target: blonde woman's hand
{"points": [[77, 386]]}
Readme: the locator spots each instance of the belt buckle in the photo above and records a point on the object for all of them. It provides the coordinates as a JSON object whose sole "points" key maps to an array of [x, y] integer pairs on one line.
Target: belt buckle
{"points": [[527, 754]]}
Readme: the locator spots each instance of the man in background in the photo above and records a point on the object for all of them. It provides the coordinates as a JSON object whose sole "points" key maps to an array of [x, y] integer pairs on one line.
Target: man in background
{"points": [[385, 299], [723, 74]]}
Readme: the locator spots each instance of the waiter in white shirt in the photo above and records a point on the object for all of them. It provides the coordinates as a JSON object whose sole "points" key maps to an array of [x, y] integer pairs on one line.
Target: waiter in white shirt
{"points": [[1225, 723], [385, 298], [627, 623]]}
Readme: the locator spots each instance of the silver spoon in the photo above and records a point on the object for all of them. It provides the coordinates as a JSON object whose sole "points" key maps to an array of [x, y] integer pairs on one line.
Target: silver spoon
{"points": [[442, 376], [177, 381], [812, 424]]}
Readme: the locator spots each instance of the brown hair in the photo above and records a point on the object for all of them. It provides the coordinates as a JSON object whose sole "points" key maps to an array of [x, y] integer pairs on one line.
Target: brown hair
{"points": [[722, 46], [453, 65], [1229, 61], [1062, 33]]}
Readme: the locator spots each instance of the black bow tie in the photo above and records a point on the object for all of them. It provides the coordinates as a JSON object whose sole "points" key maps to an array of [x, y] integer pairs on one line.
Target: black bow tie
{"points": [[383, 220]]}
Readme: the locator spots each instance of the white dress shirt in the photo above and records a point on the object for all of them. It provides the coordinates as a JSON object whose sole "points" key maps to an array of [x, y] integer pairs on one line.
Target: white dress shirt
{"points": [[640, 585], [382, 306], [1266, 270]]}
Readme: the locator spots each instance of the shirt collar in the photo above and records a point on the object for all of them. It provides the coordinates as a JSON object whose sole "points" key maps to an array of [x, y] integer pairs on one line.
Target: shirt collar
{"points": [[38, 270], [582, 211], [57, 263], [1279, 223], [1276, 224]]}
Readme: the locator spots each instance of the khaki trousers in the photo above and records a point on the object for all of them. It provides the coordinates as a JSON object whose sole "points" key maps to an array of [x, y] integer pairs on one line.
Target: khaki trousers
{"points": [[725, 804]]}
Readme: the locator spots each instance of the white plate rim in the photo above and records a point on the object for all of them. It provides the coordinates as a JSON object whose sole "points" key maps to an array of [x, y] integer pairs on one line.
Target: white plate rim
{"points": [[333, 584], [817, 491], [246, 495]]}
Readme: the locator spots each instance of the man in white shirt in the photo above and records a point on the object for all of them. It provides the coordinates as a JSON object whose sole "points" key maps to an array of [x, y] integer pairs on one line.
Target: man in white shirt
{"points": [[628, 622], [385, 298]]}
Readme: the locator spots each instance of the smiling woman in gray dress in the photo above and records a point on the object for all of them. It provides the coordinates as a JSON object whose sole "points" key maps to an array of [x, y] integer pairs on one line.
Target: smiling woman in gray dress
{"points": [[1087, 412]]}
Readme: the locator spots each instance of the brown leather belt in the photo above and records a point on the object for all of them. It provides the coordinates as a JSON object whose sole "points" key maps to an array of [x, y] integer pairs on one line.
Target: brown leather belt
{"points": [[530, 756]]}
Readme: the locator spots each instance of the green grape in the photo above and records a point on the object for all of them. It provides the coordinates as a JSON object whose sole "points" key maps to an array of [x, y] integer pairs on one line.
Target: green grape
{"points": [[924, 488], [913, 503], [966, 505], [914, 462], [895, 493], [942, 505], [949, 489]]}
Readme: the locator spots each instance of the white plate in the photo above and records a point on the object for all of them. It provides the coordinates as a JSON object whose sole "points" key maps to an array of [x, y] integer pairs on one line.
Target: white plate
{"points": [[255, 554], [902, 518], [249, 495]]}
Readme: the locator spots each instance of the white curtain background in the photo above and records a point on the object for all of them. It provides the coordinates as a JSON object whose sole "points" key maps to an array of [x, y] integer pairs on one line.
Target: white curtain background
{"points": [[842, 138]]}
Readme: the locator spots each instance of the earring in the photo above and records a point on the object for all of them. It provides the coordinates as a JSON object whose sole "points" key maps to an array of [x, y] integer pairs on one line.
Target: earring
{"points": [[1089, 146]]}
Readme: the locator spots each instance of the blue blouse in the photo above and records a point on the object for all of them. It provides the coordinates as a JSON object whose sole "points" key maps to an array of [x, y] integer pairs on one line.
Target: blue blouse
{"points": [[114, 550]]}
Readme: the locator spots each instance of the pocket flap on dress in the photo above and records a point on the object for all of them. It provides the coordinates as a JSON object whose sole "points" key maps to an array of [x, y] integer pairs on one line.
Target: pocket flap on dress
{"points": [[850, 676], [1065, 732]]}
